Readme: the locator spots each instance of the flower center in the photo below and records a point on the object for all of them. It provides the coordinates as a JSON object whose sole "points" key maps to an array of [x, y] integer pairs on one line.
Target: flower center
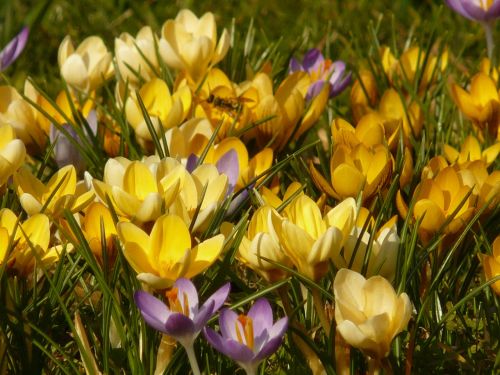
{"points": [[485, 4], [247, 328], [175, 303]]}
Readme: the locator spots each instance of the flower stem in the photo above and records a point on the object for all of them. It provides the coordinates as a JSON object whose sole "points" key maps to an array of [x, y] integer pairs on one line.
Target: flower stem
{"points": [[320, 310], [192, 359], [490, 43]]}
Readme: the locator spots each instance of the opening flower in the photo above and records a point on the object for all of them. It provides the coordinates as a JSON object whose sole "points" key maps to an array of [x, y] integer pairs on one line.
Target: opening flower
{"points": [[248, 339], [322, 70], [183, 318]]}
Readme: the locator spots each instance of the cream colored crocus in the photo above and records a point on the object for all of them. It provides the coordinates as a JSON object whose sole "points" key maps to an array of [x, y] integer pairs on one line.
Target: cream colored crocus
{"points": [[61, 192], [165, 110], [260, 243], [491, 265], [190, 138], [32, 235], [12, 153], [87, 67], [382, 258], [470, 150], [136, 57], [481, 104], [310, 239], [140, 191], [168, 253], [202, 193], [190, 44], [368, 312]]}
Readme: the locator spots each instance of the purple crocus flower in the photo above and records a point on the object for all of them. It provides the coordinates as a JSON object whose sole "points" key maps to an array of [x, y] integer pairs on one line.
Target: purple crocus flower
{"points": [[248, 339], [183, 319], [65, 151], [13, 49], [476, 10], [322, 70], [483, 11]]}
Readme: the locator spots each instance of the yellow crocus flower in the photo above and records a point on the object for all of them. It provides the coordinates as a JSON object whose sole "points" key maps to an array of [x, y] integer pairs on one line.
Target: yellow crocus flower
{"points": [[481, 104], [12, 153], [61, 192], [471, 151], [140, 190], [168, 252], [311, 240], [491, 265]]}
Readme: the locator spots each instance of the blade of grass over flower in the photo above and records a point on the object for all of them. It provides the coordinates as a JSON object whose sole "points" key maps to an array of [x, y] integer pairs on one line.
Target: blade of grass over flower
{"points": [[150, 126]]}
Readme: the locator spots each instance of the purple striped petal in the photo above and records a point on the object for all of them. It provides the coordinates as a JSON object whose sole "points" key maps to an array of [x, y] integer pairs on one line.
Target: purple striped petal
{"points": [[313, 60], [295, 66], [227, 323], [205, 313], [229, 347], [13, 49], [315, 89], [154, 311], [476, 12], [179, 326], [262, 316], [219, 297], [456, 5]]}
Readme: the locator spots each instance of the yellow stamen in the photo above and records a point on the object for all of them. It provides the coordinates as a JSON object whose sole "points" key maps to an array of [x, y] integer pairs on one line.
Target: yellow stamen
{"points": [[173, 300], [247, 324]]}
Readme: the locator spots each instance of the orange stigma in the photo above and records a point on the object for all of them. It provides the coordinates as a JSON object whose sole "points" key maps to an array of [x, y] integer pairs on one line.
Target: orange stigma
{"points": [[247, 325]]}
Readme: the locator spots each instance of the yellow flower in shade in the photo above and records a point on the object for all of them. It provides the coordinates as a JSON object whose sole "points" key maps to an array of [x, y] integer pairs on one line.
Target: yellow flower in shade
{"points": [[412, 62], [407, 116], [136, 57], [437, 199], [471, 151], [12, 153], [484, 185], [481, 104], [382, 258], [487, 68], [162, 107], [491, 265], [168, 252], [364, 94], [311, 240], [355, 170], [261, 242], [33, 235], [87, 67], [368, 312], [189, 43], [20, 115], [95, 214], [61, 192], [140, 191]]}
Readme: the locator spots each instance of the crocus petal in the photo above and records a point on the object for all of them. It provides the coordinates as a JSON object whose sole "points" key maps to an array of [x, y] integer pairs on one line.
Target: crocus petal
{"points": [[315, 89], [231, 348], [179, 325], [227, 321], [295, 66], [185, 286], [228, 165], [457, 6], [262, 316], [312, 60], [203, 315], [13, 49], [192, 160], [154, 311], [219, 297], [477, 13], [275, 338]]}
